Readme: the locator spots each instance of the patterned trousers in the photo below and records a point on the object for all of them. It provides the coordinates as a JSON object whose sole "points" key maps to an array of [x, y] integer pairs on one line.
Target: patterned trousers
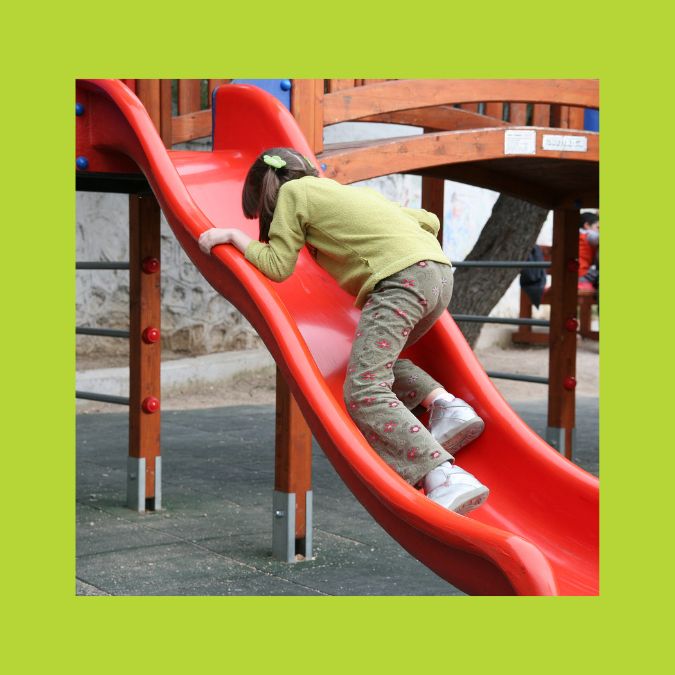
{"points": [[380, 389]]}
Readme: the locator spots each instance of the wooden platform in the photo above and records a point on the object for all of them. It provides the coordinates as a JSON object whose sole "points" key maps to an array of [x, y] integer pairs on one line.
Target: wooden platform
{"points": [[549, 178]]}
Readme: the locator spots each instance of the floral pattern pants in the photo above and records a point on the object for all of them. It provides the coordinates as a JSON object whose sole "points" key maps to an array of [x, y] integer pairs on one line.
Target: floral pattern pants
{"points": [[380, 389]]}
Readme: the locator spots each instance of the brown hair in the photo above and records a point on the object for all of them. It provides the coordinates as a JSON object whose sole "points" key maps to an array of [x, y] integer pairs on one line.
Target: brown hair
{"points": [[261, 187]]}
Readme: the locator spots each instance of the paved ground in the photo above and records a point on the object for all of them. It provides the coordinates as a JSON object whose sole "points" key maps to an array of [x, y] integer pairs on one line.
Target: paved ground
{"points": [[214, 536]]}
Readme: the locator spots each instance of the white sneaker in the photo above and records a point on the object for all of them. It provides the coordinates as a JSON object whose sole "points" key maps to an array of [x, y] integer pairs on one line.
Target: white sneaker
{"points": [[455, 489], [454, 424]]}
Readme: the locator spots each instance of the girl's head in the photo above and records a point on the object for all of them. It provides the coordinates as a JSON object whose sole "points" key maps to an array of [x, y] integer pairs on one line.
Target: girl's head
{"points": [[269, 172]]}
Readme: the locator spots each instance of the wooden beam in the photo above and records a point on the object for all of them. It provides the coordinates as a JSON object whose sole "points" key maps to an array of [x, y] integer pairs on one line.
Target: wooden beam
{"points": [[352, 162], [439, 118], [337, 85], [563, 341], [144, 356], [358, 102], [193, 125]]}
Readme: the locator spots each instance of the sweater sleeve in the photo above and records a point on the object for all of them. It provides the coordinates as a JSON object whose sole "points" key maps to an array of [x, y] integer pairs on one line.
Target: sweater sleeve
{"points": [[427, 220], [277, 258]]}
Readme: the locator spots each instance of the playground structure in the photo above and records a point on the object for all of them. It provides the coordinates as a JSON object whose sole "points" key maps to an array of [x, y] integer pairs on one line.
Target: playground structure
{"points": [[585, 299], [306, 321]]}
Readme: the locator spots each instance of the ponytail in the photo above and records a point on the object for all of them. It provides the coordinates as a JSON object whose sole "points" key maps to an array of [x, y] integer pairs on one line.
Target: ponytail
{"points": [[269, 191], [263, 181]]}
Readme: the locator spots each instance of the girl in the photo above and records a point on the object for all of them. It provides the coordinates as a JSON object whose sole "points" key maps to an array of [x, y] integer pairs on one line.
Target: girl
{"points": [[388, 257]]}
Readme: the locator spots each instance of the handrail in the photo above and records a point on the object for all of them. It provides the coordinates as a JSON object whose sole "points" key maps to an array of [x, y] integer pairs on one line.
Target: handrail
{"points": [[181, 109], [395, 95]]}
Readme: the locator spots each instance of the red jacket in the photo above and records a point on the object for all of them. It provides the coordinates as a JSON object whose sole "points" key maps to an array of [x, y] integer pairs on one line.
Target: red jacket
{"points": [[587, 252]]}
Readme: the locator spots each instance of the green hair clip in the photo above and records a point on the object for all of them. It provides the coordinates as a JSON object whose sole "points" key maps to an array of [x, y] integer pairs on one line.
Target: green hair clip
{"points": [[274, 161]]}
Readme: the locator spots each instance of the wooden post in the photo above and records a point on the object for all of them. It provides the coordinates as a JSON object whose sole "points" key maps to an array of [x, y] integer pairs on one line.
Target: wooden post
{"points": [[165, 112], [189, 96], [307, 108], [562, 333], [148, 91], [433, 197], [560, 115], [292, 499], [494, 110], [292, 476], [541, 115], [518, 114], [144, 464]]}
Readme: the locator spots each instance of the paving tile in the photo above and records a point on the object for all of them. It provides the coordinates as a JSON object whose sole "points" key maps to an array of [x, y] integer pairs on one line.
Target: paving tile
{"points": [[179, 569]]}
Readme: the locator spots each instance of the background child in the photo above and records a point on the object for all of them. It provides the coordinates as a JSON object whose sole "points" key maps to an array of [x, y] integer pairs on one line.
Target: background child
{"points": [[589, 246], [388, 257]]}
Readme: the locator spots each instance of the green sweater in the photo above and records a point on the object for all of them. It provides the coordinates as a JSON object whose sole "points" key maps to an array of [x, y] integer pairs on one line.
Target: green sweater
{"points": [[358, 236]]}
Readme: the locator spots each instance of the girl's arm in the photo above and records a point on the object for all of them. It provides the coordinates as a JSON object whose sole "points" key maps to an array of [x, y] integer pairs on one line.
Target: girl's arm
{"points": [[240, 240], [275, 259]]}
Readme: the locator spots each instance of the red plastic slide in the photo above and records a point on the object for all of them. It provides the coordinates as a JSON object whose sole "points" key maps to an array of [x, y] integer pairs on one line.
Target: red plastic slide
{"points": [[538, 532]]}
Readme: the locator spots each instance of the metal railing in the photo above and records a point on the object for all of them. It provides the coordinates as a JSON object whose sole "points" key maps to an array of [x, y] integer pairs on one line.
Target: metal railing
{"points": [[102, 332], [477, 318]]}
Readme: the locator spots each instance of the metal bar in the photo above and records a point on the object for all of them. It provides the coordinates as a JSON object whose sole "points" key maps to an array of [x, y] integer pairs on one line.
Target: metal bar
{"points": [[283, 526], [517, 377], [524, 264], [102, 266], [470, 318], [111, 182], [105, 332], [104, 398]]}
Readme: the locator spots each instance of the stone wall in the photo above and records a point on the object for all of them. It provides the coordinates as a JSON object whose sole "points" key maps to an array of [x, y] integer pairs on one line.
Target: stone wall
{"points": [[195, 319]]}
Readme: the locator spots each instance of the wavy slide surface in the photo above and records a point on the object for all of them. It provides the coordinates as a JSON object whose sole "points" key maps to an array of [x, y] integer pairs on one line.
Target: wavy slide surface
{"points": [[538, 532]]}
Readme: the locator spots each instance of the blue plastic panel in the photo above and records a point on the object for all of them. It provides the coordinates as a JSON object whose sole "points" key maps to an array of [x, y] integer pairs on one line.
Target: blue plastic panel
{"points": [[280, 89]]}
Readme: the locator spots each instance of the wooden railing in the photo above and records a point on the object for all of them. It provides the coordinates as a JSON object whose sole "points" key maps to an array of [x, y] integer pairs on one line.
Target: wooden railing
{"points": [[442, 104], [181, 109]]}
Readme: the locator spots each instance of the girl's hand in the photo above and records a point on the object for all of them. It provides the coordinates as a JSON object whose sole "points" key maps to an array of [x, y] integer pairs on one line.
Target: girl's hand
{"points": [[231, 235], [213, 237]]}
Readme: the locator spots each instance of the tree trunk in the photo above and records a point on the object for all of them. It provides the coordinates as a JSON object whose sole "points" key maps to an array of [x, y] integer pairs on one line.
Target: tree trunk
{"points": [[509, 234]]}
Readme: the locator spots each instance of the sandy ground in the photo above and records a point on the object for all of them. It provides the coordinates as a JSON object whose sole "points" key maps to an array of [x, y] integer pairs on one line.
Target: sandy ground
{"points": [[494, 350]]}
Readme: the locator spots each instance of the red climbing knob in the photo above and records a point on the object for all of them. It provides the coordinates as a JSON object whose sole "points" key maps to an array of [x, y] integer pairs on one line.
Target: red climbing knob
{"points": [[150, 405], [572, 324], [573, 264], [150, 265], [570, 382], [151, 335]]}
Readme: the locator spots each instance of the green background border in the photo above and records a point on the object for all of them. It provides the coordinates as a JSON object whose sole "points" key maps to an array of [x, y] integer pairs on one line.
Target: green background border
{"points": [[45, 50]]}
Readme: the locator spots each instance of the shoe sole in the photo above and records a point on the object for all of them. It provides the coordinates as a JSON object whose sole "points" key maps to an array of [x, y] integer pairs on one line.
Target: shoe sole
{"points": [[466, 502], [469, 432], [472, 503]]}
